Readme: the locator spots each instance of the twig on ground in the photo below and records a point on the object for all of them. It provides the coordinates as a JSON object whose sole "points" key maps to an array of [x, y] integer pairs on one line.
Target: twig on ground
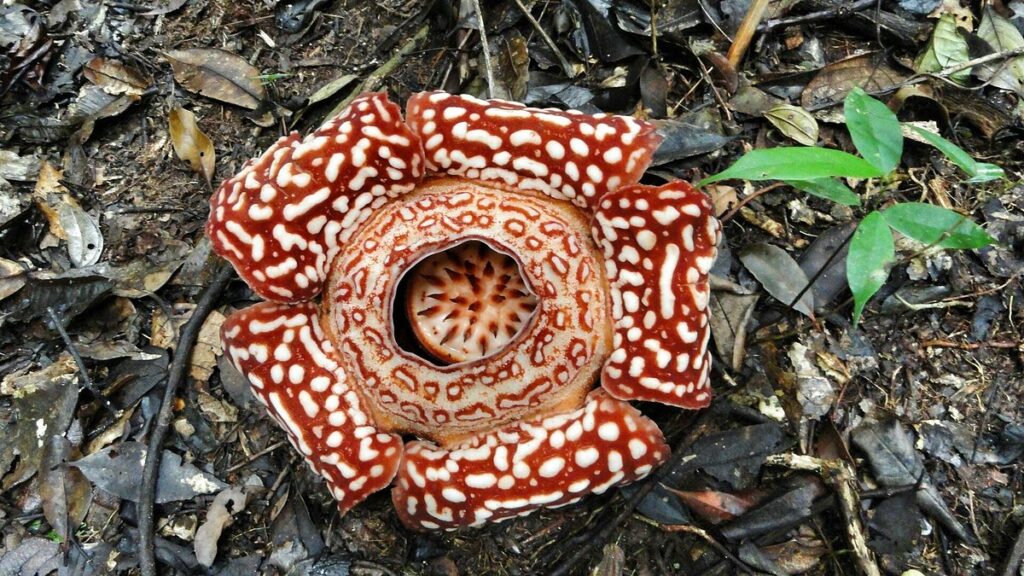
{"points": [[1004, 344], [832, 13], [679, 452], [374, 79], [255, 456], [486, 49], [841, 477], [84, 374], [747, 199], [711, 541], [562, 60], [945, 72], [183, 351], [747, 29]]}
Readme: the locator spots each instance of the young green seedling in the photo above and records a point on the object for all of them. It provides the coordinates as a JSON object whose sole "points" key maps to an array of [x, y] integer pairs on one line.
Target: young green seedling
{"points": [[878, 137]]}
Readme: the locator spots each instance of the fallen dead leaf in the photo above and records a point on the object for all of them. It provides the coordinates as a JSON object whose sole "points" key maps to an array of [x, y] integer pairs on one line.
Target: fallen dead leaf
{"points": [[780, 275], [228, 502], [868, 71], [68, 221], [795, 122], [117, 470], [114, 77], [215, 409], [218, 74], [190, 143], [12, 277], [208, 347]]}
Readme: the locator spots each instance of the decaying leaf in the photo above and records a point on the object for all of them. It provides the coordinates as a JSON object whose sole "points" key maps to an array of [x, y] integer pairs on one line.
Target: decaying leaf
{"points": [[731, 311], [220, 515], [717, 507], [43, 404], [215, 409], [65, 491], [69, 294], [946, 48], [12, 277], [117, 470], [19, 168], [780, 275], [208, 347], [795, 122], [190, 143], [896, 463], [868, 71], [85, 241], [218, 74], [116, 78], [1002, 35], [34, 556], [68, 221]]}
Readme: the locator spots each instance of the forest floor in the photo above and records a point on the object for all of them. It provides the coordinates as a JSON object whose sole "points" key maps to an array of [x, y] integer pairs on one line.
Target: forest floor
{"points": [[893, 445]]}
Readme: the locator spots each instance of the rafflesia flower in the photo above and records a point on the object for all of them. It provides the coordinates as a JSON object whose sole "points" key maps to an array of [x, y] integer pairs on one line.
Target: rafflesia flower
{"points": [[480, 266]]}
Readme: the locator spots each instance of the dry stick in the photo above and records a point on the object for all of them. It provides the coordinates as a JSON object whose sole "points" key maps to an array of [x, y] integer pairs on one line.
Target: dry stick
{"points": [[679, 453], [485, 46], [746, 31], [712, 542], [183, 351], [841, 477], [826, 14], [747, 199], [374, 79], [86, 381], [562, 60]]}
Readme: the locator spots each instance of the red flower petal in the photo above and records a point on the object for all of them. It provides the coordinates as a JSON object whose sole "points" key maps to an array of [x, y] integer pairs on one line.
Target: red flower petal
{"points": [[280, 220], [282, 352], [566, 155], [659, 244], [548, 462]]}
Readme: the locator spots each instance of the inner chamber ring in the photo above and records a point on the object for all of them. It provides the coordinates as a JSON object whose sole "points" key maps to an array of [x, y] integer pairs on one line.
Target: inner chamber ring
{"points": [[548, 367]]}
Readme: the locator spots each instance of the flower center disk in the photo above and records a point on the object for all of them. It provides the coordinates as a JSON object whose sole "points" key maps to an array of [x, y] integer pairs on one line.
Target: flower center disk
{"points": [[467, 302], [527, 338]]}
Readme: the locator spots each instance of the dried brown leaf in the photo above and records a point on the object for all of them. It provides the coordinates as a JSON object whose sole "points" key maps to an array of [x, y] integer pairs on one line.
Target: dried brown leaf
{"points": [[868, 71], [218, 74], [207, 348], [12, 277], [114, 77], [190, 143], [68, 221]]}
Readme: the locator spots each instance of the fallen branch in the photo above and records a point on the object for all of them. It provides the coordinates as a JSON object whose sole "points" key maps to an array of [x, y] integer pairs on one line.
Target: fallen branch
{"points": [[841, 477], [831, 13], [82, 371], [176, 374], [486, 49], [747, 29]]}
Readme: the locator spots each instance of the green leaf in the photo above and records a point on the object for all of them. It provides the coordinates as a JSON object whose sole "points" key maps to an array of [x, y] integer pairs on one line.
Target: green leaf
{"points": [[978, 171], [867, 262], [875, 130], [796, 163], [946, 48], [929, 224], [827, 188]]}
